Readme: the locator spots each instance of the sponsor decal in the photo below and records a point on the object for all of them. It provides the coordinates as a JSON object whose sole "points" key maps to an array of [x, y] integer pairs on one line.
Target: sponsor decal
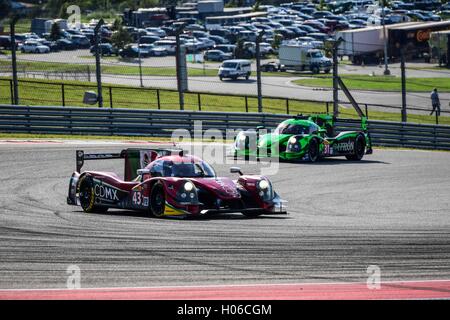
{"points": [[227, 188], [423, 35], [105, 192], [344, 146]]}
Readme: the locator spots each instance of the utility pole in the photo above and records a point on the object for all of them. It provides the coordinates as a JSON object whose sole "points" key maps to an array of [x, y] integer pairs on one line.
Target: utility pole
{"points": [[140, 60], [335, 44], [258, 70], [402, 67], [181, 74], [97, 63], [386, 70], [14, 59]]}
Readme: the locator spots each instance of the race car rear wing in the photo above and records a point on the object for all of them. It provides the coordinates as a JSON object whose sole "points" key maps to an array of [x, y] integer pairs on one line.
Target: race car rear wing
{"points": [[134, 158]]}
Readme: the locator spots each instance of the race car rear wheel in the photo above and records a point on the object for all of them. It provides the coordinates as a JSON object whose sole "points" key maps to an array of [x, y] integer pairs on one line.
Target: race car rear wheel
{"points": [[360, 148], [157, 200], [87, 196], [313, 150]]}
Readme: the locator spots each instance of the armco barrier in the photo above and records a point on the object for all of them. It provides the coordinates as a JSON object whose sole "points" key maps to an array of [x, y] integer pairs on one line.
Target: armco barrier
{"points": [[132, 122]]}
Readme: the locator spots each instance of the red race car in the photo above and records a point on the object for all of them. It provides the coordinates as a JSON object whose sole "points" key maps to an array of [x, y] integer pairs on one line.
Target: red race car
{"points": [[168, 182]]}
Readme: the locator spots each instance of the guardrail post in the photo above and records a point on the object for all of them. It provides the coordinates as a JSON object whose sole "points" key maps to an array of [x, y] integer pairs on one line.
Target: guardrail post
{"points": [[367, 111], [199, 99], [246, 104], [287, 105], [11, 91], [328, 107], [437, 117], [158, 99], [63, 95], [110, 97]]}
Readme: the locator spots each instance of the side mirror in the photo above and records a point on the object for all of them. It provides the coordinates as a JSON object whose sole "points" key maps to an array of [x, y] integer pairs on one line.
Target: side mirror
{"points": [[236, 170]]}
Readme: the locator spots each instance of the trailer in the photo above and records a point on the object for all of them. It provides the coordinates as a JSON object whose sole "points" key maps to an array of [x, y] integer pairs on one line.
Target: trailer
{"points": [[365, 45]]}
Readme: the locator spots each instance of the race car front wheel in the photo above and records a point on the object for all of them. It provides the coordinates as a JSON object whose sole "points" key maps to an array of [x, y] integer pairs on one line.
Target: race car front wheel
{"points": [[360, 147], [157, 200], [313, 150], [87, 196]]}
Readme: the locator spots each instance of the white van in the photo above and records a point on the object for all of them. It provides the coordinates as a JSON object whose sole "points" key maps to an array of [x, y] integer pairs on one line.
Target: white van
{"points": [[234, 69]]}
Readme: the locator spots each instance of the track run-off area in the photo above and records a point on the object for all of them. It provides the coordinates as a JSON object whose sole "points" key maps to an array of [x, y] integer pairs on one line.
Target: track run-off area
{"points": [[389, 212]]}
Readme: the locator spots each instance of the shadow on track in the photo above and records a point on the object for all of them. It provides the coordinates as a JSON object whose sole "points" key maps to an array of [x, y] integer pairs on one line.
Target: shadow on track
{"points": [[221, 216]]}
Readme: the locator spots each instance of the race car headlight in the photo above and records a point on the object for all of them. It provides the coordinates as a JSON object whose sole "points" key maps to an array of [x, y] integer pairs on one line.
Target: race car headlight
{"points": [[263, 185], [188, 186], [242, 137], [265, 190], [293, 140]]}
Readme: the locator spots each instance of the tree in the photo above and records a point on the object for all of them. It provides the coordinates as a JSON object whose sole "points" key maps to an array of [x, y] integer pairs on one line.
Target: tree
{"points": [[277, 39], [117, 24], [55, 33], [256, 6], [121, 38], [5, 9], [321, 5]]}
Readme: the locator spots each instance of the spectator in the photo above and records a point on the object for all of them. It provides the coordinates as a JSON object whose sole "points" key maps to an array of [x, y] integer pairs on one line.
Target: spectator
{"points": [[435, 102]]}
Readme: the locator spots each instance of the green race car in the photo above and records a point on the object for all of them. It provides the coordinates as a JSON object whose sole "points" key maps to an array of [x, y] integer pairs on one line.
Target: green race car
{"points": [[304, 138]]}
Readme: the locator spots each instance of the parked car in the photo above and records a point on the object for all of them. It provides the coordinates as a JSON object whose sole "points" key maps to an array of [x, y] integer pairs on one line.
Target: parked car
{"points": [[169, 45], [153, 51], [227, 48], [131, 51], [149, 39], [82, 42], [271, 66], [64, 44], [31, 46], [106, 49], [216, 55], [157, 31], [5, 42], [219, 39]]}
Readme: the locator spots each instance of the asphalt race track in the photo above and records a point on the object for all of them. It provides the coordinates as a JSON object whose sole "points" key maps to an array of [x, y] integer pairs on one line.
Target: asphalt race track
{"points": [[391, 210]]}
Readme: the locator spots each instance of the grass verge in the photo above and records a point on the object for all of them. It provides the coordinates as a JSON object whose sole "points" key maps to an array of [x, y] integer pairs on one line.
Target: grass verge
{"points": [[379, 83], [48, 92]]}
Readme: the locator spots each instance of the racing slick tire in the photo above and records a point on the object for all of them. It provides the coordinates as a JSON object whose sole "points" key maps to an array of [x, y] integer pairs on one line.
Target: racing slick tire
{"points": [[313, 150], [87, 196], [157, 203], [360, 147]]}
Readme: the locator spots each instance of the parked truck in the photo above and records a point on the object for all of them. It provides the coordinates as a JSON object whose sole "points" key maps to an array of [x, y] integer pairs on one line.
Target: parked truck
{"points": [[303, 57]]}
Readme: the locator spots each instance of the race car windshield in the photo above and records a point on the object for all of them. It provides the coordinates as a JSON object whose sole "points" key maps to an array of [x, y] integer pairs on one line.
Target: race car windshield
{"points": [[285, 128], [185, 169]]}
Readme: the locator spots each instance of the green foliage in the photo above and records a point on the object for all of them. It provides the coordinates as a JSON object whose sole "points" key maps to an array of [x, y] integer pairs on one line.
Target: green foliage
{"points": [[256, 6], [55, 33], [5, 8], [121, 38], [277, 39], [117, 24]]}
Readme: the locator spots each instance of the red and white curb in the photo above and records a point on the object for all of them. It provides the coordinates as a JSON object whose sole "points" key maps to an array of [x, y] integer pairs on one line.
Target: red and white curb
{"points": [[397, 290]]}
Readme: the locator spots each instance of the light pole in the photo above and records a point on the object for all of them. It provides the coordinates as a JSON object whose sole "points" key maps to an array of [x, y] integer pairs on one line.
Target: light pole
{"points": [[386, 70], [140, 60]]}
